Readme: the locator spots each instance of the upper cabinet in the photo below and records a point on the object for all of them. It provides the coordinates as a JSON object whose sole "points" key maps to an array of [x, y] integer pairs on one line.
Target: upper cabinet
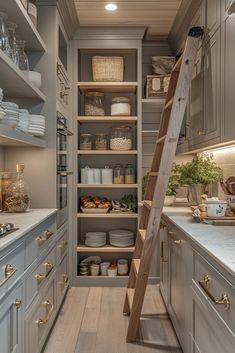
{"points": [[213, 14]]}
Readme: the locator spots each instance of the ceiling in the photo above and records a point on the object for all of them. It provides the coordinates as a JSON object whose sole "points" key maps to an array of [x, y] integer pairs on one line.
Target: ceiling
{"points": [[157, 15]]}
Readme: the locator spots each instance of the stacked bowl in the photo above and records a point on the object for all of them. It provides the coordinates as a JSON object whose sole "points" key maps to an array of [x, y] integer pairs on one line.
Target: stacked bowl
{"points": [[37, 125], [121, 238], [11, 117]]}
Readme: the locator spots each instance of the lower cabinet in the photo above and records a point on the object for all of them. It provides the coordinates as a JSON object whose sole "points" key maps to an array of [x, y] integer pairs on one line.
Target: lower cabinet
{"points": [[62, 279], [164, 264], [11, 319]]}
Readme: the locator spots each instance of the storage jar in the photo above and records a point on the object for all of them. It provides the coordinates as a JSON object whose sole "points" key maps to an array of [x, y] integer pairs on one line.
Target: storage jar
{"points": [[120, 106], [122, 267], [104, 268], [94, 104], [121, 138], [6, 179], [85, 142], [129, 174], [118, 174], [95, 269], [107, 175], [101, 142]]}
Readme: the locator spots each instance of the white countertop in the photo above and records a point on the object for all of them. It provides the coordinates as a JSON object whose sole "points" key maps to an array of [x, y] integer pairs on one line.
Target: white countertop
{"points": [[24, 221], [217, 241]]}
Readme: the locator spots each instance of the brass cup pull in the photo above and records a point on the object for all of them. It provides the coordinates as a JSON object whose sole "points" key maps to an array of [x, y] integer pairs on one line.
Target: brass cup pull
{"points": [[18, 303], [171, 232], [177, 242], [200, 132], [224, 300], [49, 268], [49, 313], [63, 244], [8, 273], [66, 279], [41, 239]]}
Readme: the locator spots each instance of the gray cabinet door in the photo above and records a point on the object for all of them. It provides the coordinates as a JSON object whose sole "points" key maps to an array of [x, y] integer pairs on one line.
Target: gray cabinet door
{"points": [[11, 320], [164, 265], [213, 17]]}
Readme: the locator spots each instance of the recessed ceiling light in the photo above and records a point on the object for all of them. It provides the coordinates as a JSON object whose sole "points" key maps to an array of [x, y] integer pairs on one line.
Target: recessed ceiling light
{"points": [[111, 7]]}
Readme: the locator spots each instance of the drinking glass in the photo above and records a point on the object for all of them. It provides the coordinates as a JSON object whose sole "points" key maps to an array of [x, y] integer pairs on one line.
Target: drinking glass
{"points": [[3, 35], [21, 58], [10, 30]]}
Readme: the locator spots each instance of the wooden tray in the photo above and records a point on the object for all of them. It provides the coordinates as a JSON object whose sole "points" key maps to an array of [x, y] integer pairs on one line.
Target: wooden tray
{"points": [[217, 221]]}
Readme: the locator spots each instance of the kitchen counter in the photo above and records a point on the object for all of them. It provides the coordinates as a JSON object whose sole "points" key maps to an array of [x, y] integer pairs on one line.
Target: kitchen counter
{"points": [[217, 241], [24, 221]]}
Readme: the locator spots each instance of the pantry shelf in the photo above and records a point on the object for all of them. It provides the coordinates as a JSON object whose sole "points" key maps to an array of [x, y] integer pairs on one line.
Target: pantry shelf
{"points": [[107, 119], [108, 248], [109, 87], [13, 137], [108, 186], [108, 215], [14, 82], [26, 29], [91, 152]]}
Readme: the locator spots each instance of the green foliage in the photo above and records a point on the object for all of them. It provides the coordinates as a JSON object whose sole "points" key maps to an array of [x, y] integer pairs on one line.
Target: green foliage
{"points": [[174, 181], [131, 202]]}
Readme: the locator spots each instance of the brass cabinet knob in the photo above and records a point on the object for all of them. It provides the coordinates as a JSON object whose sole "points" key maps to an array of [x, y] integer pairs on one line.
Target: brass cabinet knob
{"points": [[9, 271], [18, 303], [201, 132]]}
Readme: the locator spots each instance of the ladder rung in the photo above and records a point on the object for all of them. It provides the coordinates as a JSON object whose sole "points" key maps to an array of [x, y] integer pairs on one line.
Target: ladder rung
{"points": [[136, 265], [148, 204], [178, 64], [161, 139], [142, 233], [153, 174], [169, 104], [130, 296]]}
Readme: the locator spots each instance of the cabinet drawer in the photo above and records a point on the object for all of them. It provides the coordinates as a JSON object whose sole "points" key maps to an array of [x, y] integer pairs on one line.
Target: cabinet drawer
{"points": [[40, 319], [62, 279], [62, 245], [219, 292], [39, 276], [11, 268], [39, 240]]}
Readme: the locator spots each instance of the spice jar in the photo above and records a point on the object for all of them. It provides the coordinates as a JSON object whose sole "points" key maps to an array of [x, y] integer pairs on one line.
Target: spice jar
{"points": [[118, 174], [85, 142], [129, 174], [101, 142], [94, 104], [121, 138], [121, 106], [6, 179], [17, 194]]}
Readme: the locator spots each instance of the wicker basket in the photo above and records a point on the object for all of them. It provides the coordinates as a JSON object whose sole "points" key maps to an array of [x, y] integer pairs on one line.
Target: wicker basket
{"points": [[107, 68]]}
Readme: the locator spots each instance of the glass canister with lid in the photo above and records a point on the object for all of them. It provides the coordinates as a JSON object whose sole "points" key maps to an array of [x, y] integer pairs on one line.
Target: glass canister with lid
{"points": [[121, 138], [85, 142], [101, 141], [118, 174], [94, 104], [129, 174], [121, 106]]}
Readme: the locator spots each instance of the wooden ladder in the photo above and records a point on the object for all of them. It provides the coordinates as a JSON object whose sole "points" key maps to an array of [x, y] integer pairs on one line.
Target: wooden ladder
{"points": [[164, 154]]}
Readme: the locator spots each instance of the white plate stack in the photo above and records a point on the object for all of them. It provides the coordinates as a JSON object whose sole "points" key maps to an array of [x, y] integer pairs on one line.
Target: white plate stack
{"points": [[24, 118], [37, 125], [11, 117], [95, 239], [121, 238]]}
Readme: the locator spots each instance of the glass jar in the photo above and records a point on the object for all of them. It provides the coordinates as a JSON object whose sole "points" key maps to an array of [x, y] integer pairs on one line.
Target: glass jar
{"points": [[6, 179], [21, 58], [94, 104], [118, 174], [121, 138], [129, 174], [101, 142], [120, 106], [85, 142], [3, 34], [17, 198], [10, 29]]}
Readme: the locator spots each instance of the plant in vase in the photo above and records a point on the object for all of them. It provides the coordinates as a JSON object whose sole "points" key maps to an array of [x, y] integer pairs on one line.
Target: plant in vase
{"points": [[173, 185]]}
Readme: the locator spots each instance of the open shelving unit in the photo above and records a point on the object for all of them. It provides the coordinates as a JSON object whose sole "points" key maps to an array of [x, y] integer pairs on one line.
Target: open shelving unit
{"points": [[13, 137]]}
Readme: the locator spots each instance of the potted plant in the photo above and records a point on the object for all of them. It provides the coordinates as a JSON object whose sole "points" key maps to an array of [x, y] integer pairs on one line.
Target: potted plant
{"points": [[173, 185]]}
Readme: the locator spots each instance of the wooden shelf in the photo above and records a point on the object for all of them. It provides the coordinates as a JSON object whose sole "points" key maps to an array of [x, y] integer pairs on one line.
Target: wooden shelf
{"points": [[108, 186], [150, 132], [13, 137], [107, 248], [102, 277], [108, 215], [109, 87], [26, 29], [14, 81], [107, 119], [108, 152]]}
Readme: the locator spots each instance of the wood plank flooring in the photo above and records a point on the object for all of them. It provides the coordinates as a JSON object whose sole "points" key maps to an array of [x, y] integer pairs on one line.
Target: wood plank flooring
{"points": [[91, 321]]}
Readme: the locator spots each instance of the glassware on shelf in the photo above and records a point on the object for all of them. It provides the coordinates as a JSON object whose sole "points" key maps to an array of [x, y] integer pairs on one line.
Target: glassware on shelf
{"points": [[94, 104], [17, 198], [85, 142], [129, 174], [6, 179], [101, 142], [118, 174], [121, 138], [21, 58], [10, 30], [121, 106], [3, 34]]}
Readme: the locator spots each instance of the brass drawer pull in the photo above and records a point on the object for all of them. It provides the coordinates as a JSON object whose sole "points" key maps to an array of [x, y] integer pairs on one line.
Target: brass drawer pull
{"points": [[49, 268], [45, 237], [224, 300], [66, 278], [8, 273], [49, 314], [18, 303], [63, 244], [178, 242], [171, 232], [201, 132]]}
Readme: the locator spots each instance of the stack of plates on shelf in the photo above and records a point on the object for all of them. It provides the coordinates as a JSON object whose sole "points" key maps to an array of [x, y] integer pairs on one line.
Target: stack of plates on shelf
{"points": [[95, 239], [37, 125], [24, 118], [11, 117], [121, 238]]}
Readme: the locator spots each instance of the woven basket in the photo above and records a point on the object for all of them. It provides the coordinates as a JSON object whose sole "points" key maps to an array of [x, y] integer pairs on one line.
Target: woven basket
{"points": [[107, 68]]}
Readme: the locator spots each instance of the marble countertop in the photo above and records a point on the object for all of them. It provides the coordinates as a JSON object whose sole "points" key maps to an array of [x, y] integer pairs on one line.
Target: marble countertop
{"points": [[24, 221], [217, 241]]}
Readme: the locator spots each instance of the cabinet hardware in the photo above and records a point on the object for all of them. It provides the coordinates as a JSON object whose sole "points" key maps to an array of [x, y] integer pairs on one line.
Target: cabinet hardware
{"points": [[63, 244], [45, 237], [63, 94], [224, 300], [200, 132], [49, 268], [171, 233], [178, 242], [49, 313], [66, 279], [8, 273], [18, 303], [163, 258]]}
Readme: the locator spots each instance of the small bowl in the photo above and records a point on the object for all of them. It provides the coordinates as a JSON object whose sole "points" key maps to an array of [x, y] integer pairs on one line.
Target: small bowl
{"points": [[34, 77], [216, 208]]}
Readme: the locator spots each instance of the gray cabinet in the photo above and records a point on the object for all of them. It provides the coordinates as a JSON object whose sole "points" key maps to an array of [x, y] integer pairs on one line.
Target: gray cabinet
{"points": [[11, 322], [213, 15], [164, 264]]}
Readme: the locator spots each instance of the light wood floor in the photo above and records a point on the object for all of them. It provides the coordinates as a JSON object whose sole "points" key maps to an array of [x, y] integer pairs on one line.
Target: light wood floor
{"points": [[91, 321]]}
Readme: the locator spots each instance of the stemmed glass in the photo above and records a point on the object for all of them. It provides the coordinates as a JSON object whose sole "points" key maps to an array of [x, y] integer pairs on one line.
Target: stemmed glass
{"points": [[4, 44], [21, 58]]}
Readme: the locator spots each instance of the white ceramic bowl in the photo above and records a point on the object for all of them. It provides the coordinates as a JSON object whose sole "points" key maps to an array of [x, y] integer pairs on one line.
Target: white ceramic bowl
{"points": [[216, 208], [34, 77]]}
